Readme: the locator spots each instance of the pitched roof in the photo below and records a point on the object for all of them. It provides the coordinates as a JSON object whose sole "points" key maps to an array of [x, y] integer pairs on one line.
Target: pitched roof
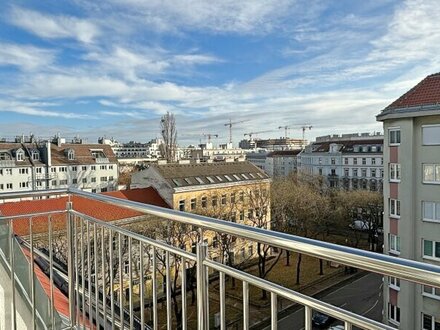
{"points": [[83, 153], [284, 153], [426, 92], [99, 210], [143, 195], [10, 149], [348, 146], [194, 174]]}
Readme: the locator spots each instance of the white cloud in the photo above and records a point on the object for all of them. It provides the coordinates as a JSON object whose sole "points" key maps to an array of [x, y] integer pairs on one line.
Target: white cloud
{"points": [[25, 57], [54, 27], [32, 109]]}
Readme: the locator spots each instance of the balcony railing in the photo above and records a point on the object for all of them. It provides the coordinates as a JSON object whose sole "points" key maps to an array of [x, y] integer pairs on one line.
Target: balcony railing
{"points": [[111, 275]]}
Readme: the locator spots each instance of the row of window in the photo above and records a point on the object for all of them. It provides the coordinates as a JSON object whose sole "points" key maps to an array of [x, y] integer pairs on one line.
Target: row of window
{"points": [[363, 161], [429, 322], [430, 210], [363, 172], [8, 186], [427, 291], [83, 168], [430, 135], [430, 249], [83, 180], [224, 199], [431, 173]]}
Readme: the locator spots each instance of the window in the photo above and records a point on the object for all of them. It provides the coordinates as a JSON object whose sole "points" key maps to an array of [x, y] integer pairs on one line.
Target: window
{"points": [[193, 203], [84, 180], [24, 184], [431, 173], [9, 186], [394, 283], [430, 322], [431, 249], [35, 155], [63, 169], [23, 171], [364, 161], [394, 172], [373, 172], [364, 172], [20, 155], [355, 161], [103, 178], [333, 161], [74, 168], [346, 161], [1, 186], [54, 182], [53, 169], [103, 167], [63, 182], [431, 135], [71, 154], [394, 243], [431, 211], [74, 181], [250, 214], [214, 201], [346, 172], [39, 170], [393, 314], [373, 161], [241, 196], [8, 171], [110, 178], [93, 168], [204, 202], [241, 215], [394, 136], [430, 291], [355, 172], [223, 199], [182, 205], [232, 197], [93, 180], [394, 208], [84, 168]]}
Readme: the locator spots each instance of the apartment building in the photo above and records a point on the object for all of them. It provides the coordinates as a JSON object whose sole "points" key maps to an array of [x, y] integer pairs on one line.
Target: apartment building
{"points": [[281, 163], [233, 191], [26, 164], [353, 161], [412, 200]]}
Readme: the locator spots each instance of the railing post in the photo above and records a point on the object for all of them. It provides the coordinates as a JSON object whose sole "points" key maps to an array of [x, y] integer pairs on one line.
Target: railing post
{"points": [[70, 263], [202, 288]]}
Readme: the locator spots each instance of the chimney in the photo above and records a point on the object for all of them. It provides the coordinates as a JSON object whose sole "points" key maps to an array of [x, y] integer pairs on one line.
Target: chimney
{"points": [[48, 154]]}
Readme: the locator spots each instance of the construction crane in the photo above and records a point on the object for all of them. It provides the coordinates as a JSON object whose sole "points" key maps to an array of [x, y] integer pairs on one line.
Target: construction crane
{"points": [[250, 134], [286, 128], [209, 136], [304, 128], [230, 127]]}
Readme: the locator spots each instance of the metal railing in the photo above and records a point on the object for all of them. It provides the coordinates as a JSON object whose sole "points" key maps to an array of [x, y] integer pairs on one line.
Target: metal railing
{"points": [[114, 274]]}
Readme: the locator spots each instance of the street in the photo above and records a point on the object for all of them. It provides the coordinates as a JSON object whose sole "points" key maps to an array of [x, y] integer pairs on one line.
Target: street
{"points": [[362, 296]]}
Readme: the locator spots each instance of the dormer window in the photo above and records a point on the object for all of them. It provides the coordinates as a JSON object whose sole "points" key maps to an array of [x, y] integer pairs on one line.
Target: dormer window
{"points": [[35, 155], [98, 154], [19, 155], [71, 154]]}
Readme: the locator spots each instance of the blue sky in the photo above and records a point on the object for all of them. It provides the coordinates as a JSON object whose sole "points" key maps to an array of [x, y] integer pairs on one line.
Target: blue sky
{"points": [[113, 67]]}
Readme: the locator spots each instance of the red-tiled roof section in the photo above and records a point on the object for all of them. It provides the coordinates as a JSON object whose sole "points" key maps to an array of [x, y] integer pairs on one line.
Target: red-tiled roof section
{"points": [[99, 210], [144, 195], [83, 153], [426, 92]]}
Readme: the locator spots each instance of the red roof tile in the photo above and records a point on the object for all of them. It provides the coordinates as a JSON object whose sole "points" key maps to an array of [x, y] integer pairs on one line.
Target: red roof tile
{"points": [[426, 92], [99, 210]]}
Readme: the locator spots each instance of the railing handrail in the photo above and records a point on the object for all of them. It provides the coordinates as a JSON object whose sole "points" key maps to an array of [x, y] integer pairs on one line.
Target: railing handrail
{"points": [[406, 269], [414, 271]]}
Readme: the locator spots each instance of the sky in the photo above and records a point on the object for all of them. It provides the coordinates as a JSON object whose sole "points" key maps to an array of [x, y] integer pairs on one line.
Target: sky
{"points": [[113, 67]]}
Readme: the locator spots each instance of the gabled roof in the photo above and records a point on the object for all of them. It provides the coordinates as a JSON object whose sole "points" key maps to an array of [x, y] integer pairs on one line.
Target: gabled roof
{"points": [[83, 153], [347, 146], [179, 175], [99, 210], [425, 96], [12, 147]]}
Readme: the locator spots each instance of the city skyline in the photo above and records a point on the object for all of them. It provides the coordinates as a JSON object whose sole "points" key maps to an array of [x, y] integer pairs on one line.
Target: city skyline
{"points": [[113, 68]]}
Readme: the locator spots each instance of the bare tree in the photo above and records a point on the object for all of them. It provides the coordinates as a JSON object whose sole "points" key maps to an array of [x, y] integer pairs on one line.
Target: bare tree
{"points": [[169, 136]]}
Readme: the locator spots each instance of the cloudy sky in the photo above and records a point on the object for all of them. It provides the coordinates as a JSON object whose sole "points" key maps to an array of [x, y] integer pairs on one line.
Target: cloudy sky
{"points": [[113, 67]]}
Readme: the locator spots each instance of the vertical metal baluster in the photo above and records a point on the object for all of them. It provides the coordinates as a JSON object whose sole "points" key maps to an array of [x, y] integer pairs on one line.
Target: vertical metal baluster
{"points": [[76, 262], [222, 302], [168, 289], [348, 325], [130, 280], [121, 283], [307, 318], [52, 302], [202, 297], [95, 262], [104, 293], [12, 262], [32, 278], [112, 286], [83, 278], [245, 305], [89, 274], [70, 263], [155, 319], [183, 292], [274, 311], [141, 285]]}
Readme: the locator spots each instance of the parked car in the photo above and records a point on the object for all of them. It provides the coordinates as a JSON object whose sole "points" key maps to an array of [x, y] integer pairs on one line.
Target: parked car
{"points": [[321, 320]]}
